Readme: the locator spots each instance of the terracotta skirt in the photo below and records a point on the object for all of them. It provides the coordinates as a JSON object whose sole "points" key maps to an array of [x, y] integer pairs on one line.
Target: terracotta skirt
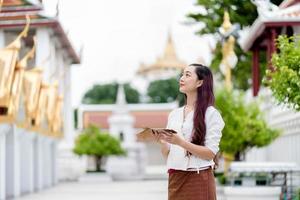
{"points": [[189, 185]]}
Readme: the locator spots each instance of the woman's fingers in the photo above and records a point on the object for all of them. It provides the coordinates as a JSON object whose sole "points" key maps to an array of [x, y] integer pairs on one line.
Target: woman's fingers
{"points": [[170, 131]]}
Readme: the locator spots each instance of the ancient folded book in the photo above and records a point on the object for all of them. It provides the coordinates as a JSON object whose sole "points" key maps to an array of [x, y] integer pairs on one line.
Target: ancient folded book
{"points": [[151, 135]]}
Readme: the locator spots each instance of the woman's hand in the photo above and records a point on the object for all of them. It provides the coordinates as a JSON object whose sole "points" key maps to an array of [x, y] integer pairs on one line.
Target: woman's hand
{"points": [[160, 135], [172, 138]]}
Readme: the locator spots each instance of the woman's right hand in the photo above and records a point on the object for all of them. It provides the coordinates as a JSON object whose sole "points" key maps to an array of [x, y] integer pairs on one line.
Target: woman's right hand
{"points": [[160, 135]]}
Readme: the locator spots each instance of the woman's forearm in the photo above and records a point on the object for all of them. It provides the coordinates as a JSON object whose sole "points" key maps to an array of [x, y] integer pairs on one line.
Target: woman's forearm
{"points": [[197, 150], [165, 149]]}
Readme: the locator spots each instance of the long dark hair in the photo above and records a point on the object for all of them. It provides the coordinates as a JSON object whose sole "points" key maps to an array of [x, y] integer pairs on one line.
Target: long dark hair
{"points": [[205, 98]]}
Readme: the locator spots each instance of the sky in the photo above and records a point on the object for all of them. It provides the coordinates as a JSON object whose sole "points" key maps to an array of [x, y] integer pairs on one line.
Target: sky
{"points": [[118, 35]]}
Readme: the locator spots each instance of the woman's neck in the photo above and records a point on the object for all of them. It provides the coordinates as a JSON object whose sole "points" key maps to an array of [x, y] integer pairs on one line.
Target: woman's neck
{"points": [[191, 100]]}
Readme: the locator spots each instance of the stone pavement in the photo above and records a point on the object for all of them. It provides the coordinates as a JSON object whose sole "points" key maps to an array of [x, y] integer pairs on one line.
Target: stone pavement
{"points": [[100, 186]]}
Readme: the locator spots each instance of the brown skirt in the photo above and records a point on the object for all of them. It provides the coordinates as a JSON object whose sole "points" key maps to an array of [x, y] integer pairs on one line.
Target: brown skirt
{"points": [[189, 185]]}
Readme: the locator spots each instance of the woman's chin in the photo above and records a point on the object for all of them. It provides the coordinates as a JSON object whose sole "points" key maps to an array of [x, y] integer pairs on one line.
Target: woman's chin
{"points": [[181, 90]]}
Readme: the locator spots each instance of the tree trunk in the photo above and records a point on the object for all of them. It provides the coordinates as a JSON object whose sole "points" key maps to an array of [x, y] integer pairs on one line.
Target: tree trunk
{"points": [[98, 163]]}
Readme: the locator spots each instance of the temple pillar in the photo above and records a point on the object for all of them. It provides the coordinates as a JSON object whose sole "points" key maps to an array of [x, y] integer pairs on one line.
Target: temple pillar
{"points": [[4, 129], [13, 167], [43, 52], [27, 160], [38, 163], [255, 71], [271, 47]]}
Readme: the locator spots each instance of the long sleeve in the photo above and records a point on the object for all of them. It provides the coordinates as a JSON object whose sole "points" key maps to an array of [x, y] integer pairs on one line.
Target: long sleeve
{"points": [[214, 127]]}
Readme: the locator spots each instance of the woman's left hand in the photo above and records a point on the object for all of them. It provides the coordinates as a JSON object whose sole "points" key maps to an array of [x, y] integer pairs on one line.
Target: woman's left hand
{"points": [[172, 138]]}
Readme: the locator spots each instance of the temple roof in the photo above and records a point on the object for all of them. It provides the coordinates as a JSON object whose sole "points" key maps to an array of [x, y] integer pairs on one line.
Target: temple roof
{"points": [[288, 14], [169, 60], [13, 16]]}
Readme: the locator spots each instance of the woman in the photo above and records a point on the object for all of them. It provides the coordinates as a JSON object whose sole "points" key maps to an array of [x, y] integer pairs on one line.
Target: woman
{"points": [[194, 141]]}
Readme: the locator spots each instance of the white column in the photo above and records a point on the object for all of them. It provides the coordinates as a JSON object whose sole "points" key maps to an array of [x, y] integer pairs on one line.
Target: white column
{"points": [[68, 111], [43, 49], [54, 162], [13, 163], [39, 164], [27, 160], [47, 162], [3, 131]]}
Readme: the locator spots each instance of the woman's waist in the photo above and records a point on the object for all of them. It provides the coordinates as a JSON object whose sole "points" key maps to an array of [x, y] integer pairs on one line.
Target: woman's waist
{"points": [[190, 170], [188, 161]]}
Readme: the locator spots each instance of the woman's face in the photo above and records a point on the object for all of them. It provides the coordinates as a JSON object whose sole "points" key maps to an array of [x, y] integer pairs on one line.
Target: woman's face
{"points": [[189, 82]]}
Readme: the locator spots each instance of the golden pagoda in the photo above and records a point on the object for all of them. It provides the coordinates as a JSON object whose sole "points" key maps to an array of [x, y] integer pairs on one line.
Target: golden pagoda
{"points": [[169, 62]]}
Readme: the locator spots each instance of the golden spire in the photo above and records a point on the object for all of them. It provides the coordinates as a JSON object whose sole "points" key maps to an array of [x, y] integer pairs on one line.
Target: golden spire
{"points": [[170, 49], [169, 60], [229, 59], [226, 23]]}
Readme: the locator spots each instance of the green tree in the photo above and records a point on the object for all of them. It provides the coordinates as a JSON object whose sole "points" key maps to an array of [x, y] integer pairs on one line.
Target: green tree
{"points": [[284, 81], [163, 91], [241, 12], [245, 127], [92, 142], [107, 94]]}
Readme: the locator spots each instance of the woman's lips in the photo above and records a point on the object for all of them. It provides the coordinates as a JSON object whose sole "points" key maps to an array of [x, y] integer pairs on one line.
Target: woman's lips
{"points": [[181, 84]]}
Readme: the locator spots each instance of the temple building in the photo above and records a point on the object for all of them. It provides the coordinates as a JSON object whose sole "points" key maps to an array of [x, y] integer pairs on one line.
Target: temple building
{"points": [[284, 19], [36, 121], [264, 31], [166, 66]]}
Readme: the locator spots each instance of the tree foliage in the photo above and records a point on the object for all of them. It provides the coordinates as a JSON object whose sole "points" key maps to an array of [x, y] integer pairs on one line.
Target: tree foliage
{"points": [[92, 142], [241, 12], [164, 91], [245, 127], [107, 94], [284, 81]]}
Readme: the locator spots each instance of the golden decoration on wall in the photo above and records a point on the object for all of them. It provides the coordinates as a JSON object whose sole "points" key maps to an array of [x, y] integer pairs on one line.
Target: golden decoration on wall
{"points": [[11, 76], [31, 91], [42, 105], [56, 126], [52, 96], [1, 3]]}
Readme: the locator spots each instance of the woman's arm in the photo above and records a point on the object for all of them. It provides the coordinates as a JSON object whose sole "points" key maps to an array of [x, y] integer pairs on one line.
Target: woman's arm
{"points": [[164, 148], [200, 151]]}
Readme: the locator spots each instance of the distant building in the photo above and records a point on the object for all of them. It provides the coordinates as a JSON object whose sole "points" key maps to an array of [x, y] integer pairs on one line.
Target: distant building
{"points": [[166, 66]]}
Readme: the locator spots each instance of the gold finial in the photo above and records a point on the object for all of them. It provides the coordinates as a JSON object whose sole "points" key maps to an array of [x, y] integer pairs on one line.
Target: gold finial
{"points": [[1, 3], [226, 22], [29, 55], [16, 44]]}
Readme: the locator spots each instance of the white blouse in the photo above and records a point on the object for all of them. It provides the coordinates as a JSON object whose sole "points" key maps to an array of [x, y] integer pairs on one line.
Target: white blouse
{"points": [[177, 158]]}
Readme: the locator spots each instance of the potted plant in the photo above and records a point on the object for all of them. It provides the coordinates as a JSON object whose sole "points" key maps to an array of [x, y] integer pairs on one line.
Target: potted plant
{"points": [[99, 144]]}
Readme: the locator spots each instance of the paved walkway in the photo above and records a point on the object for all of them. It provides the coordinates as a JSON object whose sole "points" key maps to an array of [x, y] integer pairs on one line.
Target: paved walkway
{"points": [[100, 186], [95, 187]]}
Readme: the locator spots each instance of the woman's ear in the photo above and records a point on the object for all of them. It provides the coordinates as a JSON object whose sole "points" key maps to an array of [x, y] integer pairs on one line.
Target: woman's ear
{"points": [[199, 83]]}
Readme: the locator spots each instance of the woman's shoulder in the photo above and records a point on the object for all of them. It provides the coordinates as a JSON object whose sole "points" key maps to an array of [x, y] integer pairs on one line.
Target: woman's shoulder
{"points": [[212, 111], [213, 114]]}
